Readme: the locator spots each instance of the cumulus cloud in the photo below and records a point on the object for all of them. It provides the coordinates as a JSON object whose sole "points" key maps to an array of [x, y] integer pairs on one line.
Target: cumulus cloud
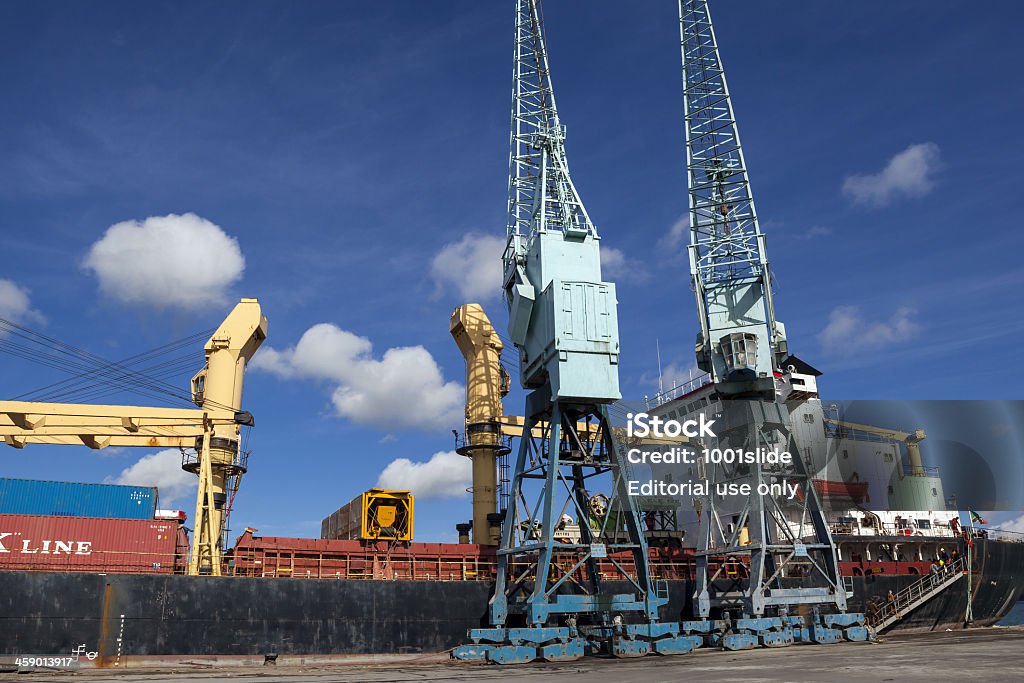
{"points": [[613, 262], [15, 304], [404, 388], [674, 242], [848, 331], [163, 470], [908, 174], [1015, 525], [471, 267], [616, 266], [323, 352], [174, 261], [446, 475]]}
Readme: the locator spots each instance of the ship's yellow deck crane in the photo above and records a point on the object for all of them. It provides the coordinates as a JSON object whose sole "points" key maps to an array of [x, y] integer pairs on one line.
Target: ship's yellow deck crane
{"points": [[213, 429], [912, 440], [486, 384]]}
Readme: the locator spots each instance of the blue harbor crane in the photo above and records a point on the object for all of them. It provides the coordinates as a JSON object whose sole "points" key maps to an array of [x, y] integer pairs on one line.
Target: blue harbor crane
{"points": [[570, 521], [742, 346], [573, 575]]}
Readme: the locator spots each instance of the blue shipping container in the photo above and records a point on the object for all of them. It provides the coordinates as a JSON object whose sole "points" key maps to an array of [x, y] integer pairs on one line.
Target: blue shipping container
{"points": [[70, 499]]}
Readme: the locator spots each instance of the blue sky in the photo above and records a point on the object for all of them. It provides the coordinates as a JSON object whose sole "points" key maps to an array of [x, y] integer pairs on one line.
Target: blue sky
{"points": [[349, 149]]}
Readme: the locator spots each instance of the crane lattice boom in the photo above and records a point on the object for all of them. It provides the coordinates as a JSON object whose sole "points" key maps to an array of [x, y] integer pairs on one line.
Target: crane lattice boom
{"points": [[740, 341]]}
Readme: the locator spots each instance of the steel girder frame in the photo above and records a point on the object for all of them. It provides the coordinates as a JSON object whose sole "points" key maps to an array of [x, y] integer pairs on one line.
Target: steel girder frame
{"points": [[536, 570], [783, 534]]}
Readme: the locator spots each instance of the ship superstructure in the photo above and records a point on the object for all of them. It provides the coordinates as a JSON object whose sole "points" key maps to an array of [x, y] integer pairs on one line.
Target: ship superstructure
{"points": [[870, 479]]}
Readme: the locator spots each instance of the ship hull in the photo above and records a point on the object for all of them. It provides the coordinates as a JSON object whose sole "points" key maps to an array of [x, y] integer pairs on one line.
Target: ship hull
{"points": [[160, 615]]}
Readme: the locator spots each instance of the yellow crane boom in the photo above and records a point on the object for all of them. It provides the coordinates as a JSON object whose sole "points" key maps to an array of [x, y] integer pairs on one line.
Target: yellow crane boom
{"points": [[911, 439], [486, 384], [213, 428]]}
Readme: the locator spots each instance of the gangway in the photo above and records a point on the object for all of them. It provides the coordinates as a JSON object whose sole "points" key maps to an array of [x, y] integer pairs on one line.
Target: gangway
{"points": [[916, 594]]}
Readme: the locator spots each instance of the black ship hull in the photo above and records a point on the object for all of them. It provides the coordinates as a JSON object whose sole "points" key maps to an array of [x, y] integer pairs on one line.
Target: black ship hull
{"points": [[153, 615]]}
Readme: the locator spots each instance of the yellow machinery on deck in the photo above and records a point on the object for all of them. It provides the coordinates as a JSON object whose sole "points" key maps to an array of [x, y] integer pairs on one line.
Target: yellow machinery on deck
{"points": [[375, 515]]}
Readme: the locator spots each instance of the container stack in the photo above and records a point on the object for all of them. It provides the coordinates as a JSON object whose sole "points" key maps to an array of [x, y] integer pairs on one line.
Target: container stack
{"points": [[71, 499], [68, 526]]}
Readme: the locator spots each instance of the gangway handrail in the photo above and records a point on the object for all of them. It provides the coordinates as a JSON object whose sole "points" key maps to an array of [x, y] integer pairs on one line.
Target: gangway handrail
{"points": [[916, 594]]}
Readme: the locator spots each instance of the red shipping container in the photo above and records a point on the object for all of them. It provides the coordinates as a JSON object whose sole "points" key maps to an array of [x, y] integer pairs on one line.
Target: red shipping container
{"points": [[89, 544]]}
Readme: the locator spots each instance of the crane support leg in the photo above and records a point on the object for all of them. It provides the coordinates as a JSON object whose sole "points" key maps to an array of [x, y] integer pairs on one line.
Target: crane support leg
{"points": [[553, 575], [778, 546]]}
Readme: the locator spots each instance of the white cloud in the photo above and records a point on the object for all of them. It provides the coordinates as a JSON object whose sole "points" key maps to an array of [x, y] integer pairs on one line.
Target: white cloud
{"points": [[848, 331], [15, 304], [446, 475], [673, 243], [675, 374], [324, 351], [613, 262], [404, 388], [816, 231], [908, 174], [166, 261], [471, 267], [163, 470], [672, 375], [1015, 525], [616, 266]]}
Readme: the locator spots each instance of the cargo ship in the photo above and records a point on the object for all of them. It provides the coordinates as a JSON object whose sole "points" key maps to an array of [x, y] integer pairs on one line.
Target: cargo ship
{"points": [[101, 569], [116, 586]]}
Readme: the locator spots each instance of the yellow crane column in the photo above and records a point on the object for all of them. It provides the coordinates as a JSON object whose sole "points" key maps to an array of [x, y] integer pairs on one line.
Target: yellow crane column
{"points": [[912, 440], [219, 385], [486, 384]]}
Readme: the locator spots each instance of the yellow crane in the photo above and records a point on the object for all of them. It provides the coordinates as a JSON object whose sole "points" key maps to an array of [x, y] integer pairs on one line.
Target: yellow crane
{"points": [[912, 440], [213, 428], [486, 384]]}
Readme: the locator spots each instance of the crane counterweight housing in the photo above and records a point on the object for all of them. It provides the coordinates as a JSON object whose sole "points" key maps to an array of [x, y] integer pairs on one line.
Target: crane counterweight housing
{"points": [[572, 337]]}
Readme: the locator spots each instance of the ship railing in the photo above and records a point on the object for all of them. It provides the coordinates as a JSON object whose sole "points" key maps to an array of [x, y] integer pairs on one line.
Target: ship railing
{"points": [[678, 390], [909, 528], [921, 471], [372, 566], [400, 575], [1004, 535]]}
